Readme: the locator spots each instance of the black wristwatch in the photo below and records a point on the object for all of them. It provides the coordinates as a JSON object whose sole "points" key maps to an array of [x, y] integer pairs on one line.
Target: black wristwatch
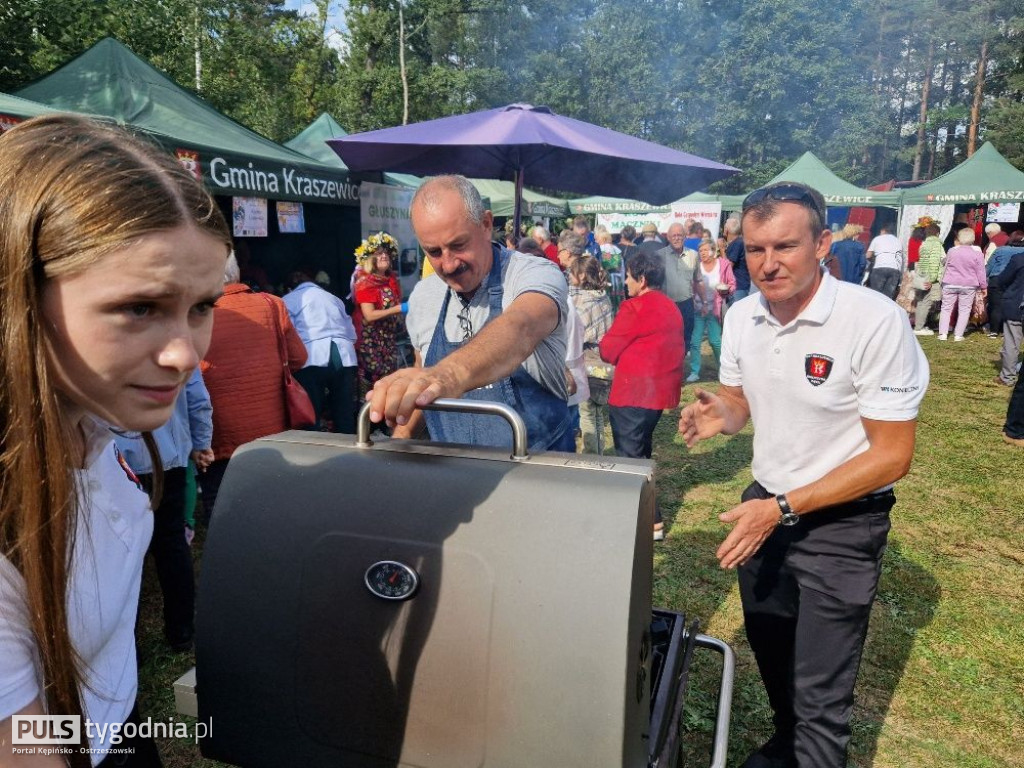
{"points": [[788, 516]]}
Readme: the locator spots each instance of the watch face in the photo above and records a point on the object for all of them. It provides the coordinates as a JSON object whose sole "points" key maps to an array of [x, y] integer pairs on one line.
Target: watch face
{"points": [[789, 518]]}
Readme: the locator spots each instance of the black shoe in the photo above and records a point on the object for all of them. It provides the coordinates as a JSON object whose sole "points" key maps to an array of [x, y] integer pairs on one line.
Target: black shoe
{"points": [[777, 752]]}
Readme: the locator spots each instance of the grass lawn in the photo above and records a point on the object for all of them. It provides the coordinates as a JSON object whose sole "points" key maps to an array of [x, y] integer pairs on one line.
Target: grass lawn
{"points": [[942, 679]]}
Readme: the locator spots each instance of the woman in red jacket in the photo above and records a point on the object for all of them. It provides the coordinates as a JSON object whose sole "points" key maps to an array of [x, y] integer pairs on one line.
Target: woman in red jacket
{"points": [[645, 344]]}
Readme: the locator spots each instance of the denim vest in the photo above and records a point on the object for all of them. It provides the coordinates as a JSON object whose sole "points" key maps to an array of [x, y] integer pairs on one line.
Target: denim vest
{"points": [[546, 415]]}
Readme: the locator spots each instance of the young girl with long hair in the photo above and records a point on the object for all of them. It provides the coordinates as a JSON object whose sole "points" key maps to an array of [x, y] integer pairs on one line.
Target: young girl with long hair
{"points": [[111, 257]]}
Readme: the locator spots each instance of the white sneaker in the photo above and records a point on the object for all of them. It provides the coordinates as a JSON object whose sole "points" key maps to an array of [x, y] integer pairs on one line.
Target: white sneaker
{"points": [[941, 337], [692, 378], [924, 332], [958, 338]]}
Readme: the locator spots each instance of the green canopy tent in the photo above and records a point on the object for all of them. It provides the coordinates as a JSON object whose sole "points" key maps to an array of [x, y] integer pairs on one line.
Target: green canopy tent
{"points": [[729, 202], [809, 170], [502, 195], [312, 141], [13, 110], [110, 81], [985, 177]]}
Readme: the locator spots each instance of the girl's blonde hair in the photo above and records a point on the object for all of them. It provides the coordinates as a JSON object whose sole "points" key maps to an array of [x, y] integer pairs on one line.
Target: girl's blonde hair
{"points": [[72, 190]]}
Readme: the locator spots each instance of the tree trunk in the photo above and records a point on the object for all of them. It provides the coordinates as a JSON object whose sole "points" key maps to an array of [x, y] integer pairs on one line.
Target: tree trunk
{"points": [[923, 118], [954, 86], [401, 65], [369, 65], [310, 96], [198, 53], [901, 114], [944, 100], [979, 91], [876, 78]]}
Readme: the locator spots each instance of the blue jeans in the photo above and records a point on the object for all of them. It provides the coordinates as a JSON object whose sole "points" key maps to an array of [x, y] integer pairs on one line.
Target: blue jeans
{"points": [[886, 281], [713, 326]]}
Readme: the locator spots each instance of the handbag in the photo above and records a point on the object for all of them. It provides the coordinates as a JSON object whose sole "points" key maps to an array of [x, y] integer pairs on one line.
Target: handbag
{"points": [[599, 376], [298, 408], [979, 314], [920, 284]]}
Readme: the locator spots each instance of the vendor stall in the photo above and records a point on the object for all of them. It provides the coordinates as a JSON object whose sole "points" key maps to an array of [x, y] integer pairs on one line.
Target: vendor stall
{"points": [[985, 186], [108, 80]]}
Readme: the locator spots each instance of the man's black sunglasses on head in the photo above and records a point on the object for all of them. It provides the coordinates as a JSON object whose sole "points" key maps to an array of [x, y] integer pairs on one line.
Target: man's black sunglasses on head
{"points": [[790, 193]]}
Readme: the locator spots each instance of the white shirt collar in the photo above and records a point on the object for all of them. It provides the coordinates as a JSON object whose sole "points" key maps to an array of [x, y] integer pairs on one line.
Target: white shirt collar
{"points": [[817, 312]]}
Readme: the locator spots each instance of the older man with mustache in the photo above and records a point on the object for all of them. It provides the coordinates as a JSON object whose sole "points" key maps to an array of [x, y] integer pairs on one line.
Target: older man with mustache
{"points": [[489, 324]]}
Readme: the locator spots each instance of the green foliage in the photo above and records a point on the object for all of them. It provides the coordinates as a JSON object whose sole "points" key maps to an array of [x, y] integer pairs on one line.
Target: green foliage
{"points": [[754, 83], [1006, 129]]}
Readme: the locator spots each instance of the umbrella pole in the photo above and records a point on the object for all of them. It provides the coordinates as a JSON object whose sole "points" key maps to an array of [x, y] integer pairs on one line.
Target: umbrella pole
{"points": [[519, 203]]}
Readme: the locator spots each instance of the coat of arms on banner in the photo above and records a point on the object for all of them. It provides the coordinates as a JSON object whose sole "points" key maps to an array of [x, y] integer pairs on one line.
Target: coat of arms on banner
{"points": [[7, 122], [190, 160], [817, 368]]}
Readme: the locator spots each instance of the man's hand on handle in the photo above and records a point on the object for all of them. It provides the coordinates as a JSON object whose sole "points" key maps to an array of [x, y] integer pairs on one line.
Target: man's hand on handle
{"points": [[396, 397]]}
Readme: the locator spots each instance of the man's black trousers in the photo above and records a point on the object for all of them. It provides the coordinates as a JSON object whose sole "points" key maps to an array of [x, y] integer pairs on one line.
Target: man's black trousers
{"points": [[335, 386], [633, 434], [172, 555], [686, 310], [1014, 426], [807, 597]]}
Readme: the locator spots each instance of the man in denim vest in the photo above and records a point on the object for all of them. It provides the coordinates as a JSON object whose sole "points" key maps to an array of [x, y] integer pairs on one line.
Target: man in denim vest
{"points": [[489, 324]]}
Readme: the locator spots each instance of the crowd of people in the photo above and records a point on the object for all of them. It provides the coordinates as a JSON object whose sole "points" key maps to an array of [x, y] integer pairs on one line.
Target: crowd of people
{"points": [[972, 278], [134, 355]]}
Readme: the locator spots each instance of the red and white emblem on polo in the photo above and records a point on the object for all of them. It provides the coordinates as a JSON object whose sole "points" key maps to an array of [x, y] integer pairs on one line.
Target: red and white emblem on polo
{"points": [[817, 368]]}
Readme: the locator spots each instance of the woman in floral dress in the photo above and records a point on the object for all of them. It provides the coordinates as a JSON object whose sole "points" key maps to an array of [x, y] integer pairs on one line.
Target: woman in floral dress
{"points": [[378, 299]]}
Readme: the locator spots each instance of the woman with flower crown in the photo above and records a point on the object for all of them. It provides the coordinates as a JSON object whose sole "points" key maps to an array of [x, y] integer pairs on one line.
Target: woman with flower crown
{"points": [[378, 299]]}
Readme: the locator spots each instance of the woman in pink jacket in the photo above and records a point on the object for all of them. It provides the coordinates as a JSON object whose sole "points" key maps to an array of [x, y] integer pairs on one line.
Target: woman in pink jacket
{"points": [[963, 278], [713, 283]]}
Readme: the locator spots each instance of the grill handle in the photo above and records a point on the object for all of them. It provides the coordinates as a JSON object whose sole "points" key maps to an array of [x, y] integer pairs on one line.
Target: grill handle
{"points": [[720, 745], [486, 407]]}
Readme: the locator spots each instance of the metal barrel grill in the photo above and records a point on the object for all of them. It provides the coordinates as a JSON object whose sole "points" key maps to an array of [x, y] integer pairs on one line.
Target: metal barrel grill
{"points": [[409, 603]]}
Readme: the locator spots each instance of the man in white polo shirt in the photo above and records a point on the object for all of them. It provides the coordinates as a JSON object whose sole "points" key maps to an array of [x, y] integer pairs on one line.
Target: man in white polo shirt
{"points": [[831, 376], [885, 255]]}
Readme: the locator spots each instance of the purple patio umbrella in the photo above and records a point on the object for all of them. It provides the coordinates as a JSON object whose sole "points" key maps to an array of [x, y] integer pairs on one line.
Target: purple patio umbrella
{"points": [[522, 142]]}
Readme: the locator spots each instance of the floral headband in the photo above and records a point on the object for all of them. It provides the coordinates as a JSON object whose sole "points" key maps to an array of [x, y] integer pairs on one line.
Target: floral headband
{"points": [[382, 241], [925, 221]]}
